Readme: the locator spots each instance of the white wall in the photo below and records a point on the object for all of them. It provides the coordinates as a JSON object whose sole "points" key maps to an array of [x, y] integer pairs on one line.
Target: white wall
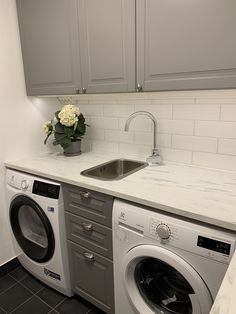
{"points": [[21, 118]]}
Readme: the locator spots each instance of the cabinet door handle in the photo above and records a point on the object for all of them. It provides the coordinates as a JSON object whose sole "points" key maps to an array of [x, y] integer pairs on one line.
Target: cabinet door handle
{"points": [[87, 227], [85, 194], [88, 256], [139, 88]]}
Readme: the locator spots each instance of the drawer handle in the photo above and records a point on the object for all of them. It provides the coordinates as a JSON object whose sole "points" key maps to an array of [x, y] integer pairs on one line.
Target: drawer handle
{"points": [[89, 256], [87, 227], [85, 194]]}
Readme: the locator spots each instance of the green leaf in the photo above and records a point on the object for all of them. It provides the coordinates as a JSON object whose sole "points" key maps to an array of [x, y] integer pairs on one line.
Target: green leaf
{"points": [[59, 128]]}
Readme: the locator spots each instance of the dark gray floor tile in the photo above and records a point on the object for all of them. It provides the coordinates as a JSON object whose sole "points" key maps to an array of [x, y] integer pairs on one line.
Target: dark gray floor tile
{"points": [[96, 311], [32, 283], [2, 312], [50, 296], [13, 297], [33, 306], [5, 283], [14, 263], [74, 305], [3, 271], [19, 273]]}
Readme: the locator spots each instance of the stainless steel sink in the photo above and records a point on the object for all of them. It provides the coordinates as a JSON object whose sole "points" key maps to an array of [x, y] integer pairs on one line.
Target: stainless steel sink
{"points": [[114, 170]]}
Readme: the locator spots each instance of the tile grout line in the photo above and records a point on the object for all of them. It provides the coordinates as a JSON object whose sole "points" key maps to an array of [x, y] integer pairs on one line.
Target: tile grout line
{"points": [[21, 304], [2, 309], [59, 304]]}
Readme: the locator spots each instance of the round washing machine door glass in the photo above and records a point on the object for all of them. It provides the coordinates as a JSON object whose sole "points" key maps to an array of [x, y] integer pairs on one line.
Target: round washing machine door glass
{"points": [[32, 229], [159, 281]]}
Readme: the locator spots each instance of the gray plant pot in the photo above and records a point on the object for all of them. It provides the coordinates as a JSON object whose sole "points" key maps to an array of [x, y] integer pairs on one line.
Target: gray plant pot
{"points": [[74, 149]]}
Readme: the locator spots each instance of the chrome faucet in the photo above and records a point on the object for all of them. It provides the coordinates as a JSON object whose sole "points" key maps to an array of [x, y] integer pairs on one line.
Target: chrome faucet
{"points": [[155, 158]]}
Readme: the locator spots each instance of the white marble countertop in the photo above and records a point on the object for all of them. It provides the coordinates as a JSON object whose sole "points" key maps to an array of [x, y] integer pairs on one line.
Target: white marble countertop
{"points": [[198, 193]]}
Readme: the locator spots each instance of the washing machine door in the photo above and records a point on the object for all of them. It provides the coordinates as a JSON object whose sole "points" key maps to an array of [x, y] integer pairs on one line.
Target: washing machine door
{"points": [[32, 229], [159, 281]]}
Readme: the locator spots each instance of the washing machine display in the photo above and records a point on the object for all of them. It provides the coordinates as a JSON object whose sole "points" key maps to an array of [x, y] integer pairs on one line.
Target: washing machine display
{"points": [[32, 229]]}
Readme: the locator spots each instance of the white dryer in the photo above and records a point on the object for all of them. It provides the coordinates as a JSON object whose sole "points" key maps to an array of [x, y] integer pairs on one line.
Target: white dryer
{"points": [[166, 265], [36, 215]]}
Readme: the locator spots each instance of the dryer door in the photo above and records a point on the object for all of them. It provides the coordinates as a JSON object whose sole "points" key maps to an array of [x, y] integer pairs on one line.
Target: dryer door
{"points": [[32, 229], [159, 281]]}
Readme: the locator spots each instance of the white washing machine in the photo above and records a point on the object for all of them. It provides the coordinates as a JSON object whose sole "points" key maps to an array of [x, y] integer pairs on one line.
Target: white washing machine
{"points": [[37, 222], [166, 265]]}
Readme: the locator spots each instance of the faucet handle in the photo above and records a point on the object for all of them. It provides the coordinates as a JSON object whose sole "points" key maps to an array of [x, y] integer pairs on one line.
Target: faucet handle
{"points": [[155, 158]]}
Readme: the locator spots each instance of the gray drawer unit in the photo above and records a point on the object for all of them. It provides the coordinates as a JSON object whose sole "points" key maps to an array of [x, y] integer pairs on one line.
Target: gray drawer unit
{"points": [[89, 204], [89, 234], [92, 276], [88, 216]]}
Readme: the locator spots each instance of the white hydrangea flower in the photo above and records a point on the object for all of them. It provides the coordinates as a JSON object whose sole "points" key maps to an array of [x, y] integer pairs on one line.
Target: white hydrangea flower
{"points": [[47, 126], [69, 115]]}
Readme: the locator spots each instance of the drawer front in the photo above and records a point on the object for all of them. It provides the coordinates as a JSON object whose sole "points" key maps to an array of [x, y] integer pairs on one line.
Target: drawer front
{"points": [[92, 277], [89, 204], [89, 234]]}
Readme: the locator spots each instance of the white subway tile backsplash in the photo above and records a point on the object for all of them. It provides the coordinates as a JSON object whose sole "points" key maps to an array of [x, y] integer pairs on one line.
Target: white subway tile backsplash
{"points": [[184, 127], [196, 112], [159, 111], [95, 134], [119, 136], [228, 112], [105, 146], [118, 110], [104, 123], [137, 124], [91, 110], [216, 129], [194, 143], [175, 155], [218, 161], [135, 150], [164, 140], [194, 127], [227, 146], [145, 138]]}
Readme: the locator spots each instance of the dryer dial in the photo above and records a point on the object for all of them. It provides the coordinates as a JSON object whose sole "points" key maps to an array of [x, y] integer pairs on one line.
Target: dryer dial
{"points": [[163, 231]]}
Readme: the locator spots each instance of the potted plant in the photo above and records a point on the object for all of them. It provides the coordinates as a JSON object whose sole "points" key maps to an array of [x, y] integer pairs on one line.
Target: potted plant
{"points": [[68, 127]]}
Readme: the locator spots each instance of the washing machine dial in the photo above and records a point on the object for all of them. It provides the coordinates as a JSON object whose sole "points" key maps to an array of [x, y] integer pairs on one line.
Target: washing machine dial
{"points": [[163, 231], [24, 185]]}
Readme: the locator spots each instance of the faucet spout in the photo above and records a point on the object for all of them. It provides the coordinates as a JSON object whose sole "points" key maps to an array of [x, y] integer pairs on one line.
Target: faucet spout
{"points": [[155, 158]]}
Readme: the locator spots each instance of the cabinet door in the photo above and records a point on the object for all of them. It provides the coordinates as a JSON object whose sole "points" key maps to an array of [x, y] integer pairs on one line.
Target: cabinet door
{"points": [[186, 44], [107, 41], [92, 277], [49, 40]]}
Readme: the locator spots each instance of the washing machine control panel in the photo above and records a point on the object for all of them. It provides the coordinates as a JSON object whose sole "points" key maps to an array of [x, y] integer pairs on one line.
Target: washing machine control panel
{"points": [[163, 230], [204, 241]]}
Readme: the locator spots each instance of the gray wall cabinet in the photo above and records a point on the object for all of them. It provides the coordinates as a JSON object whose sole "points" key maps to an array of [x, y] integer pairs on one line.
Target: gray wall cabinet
{"points": [[186, 44], [88, 219], [72, 46], [92, 46], [49, 42]]}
